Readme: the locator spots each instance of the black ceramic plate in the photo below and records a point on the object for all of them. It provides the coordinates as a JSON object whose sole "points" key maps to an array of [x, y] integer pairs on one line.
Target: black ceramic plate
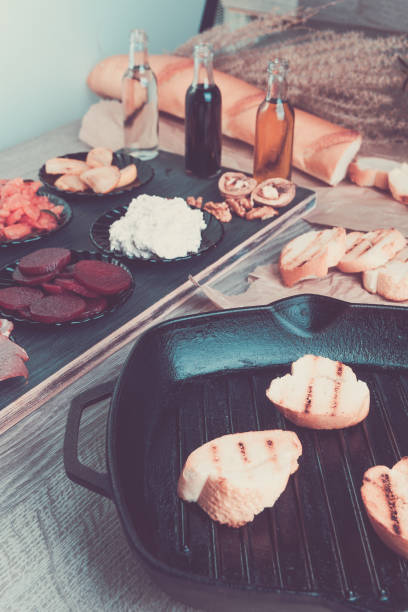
{"points": [[64, 219], [114, 301], [99, 235], [144, 174]]}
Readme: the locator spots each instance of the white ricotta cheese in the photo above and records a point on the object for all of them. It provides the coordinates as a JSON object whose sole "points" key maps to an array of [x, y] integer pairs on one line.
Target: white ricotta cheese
{"points": [[156, 226]]}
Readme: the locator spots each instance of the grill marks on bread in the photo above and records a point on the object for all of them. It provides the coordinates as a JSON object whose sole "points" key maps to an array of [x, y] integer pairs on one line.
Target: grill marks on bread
{"points": [[310, 255], [320, 393], [385, 495], [366, 251], [236, 476]]}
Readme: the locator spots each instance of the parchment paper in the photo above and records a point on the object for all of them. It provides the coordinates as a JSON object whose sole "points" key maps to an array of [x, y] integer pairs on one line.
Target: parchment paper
{"points": [[266, 287]]}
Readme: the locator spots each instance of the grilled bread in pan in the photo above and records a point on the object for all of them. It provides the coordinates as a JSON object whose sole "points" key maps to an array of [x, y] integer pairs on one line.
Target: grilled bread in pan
{"points": [[310, 255], [236, 476], [366, 251], [320, 394], [385, 496]]}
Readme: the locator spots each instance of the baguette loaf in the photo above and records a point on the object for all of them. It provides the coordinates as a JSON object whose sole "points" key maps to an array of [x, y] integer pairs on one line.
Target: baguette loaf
{"points": [[320, 148]]}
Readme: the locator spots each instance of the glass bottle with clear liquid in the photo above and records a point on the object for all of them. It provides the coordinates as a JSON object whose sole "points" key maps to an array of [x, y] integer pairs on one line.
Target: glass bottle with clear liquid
{"points": [[203, 117], [140, 101], [275, 120]]}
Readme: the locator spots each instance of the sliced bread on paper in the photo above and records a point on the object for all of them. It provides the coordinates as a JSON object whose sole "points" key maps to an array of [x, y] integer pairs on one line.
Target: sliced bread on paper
{"points": [[390, 280], [310, 255], [371, 171], [385, 496], [320, 394], [366, 251], [236, 476], [398, 183]]}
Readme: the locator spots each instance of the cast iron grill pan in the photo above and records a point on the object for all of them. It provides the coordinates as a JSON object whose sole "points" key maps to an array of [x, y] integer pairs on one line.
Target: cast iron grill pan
{"points": [[197, 378]]}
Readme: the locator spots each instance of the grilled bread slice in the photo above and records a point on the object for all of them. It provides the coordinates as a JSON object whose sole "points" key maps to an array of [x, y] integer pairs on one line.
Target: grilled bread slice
{"points": [[70, 182], [310, 255], [128, 174], [103, 179], [366, 251], [98, 157], [236, 476], [391, 280], [385, 496], [65, 165], [320, 394]]}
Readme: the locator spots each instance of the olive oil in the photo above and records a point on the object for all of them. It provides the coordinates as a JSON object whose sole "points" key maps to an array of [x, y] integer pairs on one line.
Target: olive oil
{"points": [[273, 148]]}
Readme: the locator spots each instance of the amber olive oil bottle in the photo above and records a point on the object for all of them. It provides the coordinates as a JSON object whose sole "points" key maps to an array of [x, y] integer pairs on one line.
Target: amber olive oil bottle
{"points": [[275, 122]]}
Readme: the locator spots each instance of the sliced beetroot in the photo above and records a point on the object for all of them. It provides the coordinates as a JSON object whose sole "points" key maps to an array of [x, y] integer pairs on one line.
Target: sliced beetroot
{"points": [[70, 284], [19, 298], [30, 281], [102, 277], [52, 289], [94, 306], [67, 272], [43, 261], [57, 308]]}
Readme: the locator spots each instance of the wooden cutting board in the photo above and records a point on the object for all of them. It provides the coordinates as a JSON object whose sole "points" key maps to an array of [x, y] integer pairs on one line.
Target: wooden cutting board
{"points": [[60, 355]]}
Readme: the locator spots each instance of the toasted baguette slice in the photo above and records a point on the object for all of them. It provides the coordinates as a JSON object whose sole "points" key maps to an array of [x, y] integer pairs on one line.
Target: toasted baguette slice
{"points": [[366, 251], [390, 280], [310, 255], [371, 171], [70, 182], [320, 394], [65, 165], [101, 180], [385, 496], [236, 476], [398, 183], [127, 175], [98, 157]]}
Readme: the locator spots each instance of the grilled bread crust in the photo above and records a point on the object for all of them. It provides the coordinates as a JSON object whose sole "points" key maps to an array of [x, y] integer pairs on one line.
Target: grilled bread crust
{"points": [[391, 280], [366, 251], [385, 495], [320, 394], [236, 476], [311, 255]]}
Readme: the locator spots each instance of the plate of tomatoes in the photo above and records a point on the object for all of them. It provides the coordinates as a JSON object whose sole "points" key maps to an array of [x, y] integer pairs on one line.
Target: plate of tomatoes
{"points": [[28, 212]]}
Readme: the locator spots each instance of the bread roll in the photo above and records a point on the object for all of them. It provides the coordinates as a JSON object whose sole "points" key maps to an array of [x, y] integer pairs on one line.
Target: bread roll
{"points": [[320, 148]]}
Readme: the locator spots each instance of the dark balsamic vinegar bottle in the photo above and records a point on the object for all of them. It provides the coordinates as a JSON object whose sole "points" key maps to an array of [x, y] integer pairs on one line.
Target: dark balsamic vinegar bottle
{"points": [[203, 117]]}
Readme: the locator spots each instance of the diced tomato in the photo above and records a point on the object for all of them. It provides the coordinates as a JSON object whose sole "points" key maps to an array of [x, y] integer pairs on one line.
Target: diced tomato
{"points": [[15, 216], [45, 222], [58, 210], [31, 211], [17, 231]]}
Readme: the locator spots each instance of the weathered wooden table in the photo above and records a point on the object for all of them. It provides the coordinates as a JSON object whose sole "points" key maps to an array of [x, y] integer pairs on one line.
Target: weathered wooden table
{"points": [[62, 547]]}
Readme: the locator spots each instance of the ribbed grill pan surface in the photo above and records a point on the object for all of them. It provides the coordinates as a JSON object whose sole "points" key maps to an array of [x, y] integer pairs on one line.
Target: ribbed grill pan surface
{"points": [[317, 539]]}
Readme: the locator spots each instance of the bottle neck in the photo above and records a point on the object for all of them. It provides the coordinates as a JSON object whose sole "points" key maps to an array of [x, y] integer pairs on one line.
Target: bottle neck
{"points": [[277, 84], [138, 55], [203, 66]]}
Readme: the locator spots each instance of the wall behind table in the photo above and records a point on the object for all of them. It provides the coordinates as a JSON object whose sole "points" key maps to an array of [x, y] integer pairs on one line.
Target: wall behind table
{"points": [[48, 47]]}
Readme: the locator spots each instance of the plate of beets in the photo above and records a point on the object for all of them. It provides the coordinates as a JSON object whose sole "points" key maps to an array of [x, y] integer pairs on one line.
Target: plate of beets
{"points": [[57, 286]]}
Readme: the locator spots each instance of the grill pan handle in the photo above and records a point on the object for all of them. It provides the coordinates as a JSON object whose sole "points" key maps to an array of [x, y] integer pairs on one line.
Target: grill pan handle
{"points": [[97, 482]]}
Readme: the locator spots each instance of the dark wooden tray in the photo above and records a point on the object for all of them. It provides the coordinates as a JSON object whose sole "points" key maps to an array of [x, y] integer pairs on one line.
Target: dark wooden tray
{"points": [[60, 355]]}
